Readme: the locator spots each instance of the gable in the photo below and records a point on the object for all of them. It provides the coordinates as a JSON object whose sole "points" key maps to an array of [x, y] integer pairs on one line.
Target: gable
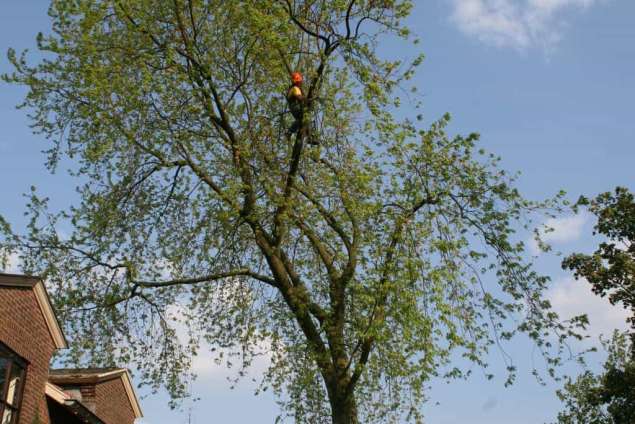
{"points": [[36, 285]]}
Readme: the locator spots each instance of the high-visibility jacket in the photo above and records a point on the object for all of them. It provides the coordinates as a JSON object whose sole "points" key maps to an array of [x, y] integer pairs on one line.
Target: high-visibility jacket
{"points": [[295, 97], [295, 93]]}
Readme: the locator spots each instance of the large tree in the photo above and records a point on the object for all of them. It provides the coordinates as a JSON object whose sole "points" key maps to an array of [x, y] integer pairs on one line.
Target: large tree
{"points": [[362, 265]]}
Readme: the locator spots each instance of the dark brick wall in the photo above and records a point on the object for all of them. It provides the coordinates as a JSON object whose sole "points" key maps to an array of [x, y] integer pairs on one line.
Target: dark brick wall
{"points": [[88, 396], [23, 329], [112, 403]]}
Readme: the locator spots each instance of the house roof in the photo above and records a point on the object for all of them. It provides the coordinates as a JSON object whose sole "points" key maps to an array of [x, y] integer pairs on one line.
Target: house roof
{"points": [[76, 374], [70, 376], [74, 406], [43, 300]]}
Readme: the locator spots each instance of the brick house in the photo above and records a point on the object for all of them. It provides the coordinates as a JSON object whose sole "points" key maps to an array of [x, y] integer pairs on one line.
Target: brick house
{"points": [[30, 392]]}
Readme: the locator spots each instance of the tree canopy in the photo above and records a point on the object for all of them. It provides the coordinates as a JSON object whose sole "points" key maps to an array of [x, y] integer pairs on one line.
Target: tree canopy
{"points": [[363, 266]]}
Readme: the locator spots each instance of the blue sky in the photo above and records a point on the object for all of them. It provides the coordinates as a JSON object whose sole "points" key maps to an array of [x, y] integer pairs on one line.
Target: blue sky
{"points": [[549, 84]]}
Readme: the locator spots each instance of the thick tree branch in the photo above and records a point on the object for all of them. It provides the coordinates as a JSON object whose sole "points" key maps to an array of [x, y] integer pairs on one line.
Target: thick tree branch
{"points": [[223, 122], [328, 217], [244, 272], [220, 121], [377, 314], [347, 20], [326, 256], [300, 25], [352, 249]]}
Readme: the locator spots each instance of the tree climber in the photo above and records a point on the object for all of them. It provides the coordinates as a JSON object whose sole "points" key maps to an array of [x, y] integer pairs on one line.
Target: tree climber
{"points": [[297, 105]]}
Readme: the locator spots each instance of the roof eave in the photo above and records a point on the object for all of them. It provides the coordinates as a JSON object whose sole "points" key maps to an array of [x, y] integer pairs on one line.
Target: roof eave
{"points": [[132, 395], [94, 378]]}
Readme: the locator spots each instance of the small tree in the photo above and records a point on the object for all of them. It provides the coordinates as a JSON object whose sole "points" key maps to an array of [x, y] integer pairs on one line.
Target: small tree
{"points": [[608, 397], [611, 268], [361, 265]]}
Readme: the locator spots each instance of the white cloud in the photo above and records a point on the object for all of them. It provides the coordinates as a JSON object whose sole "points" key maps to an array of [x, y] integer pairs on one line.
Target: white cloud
{"points": [[621, 244], [206, 368], [570, 297], [560, 230], [565, 229], [204, 364], [515, 23]]}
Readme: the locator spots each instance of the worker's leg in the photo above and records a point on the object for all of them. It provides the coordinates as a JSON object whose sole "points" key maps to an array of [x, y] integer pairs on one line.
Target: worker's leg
{"points": [[307, 132], [297, 114], [294, 128], [301, 125]]}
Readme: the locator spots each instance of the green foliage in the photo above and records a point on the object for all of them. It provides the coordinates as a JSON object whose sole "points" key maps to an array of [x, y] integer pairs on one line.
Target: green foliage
{"points": [[360, 267], [611, 268], [607, 398]]}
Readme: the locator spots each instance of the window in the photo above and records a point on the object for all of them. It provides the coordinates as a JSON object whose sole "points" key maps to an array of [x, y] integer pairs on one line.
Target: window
{"points": [[12, 371]]}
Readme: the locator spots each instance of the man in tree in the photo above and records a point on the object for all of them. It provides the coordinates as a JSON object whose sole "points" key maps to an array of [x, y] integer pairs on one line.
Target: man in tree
{"points": [[361, 272], [296, 100], [299, 104], [608, 398]]}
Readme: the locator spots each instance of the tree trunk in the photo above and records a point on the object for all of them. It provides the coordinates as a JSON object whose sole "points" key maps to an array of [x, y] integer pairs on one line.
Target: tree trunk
{"points": [[344, 411]]}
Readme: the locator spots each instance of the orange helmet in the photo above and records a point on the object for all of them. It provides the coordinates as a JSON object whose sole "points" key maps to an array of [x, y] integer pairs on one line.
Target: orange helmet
{"points": [[296, 77]]}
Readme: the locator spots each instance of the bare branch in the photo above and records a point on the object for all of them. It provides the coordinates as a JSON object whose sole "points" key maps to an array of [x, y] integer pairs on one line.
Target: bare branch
{"points": [[348, 19], [295, 20], [328, 217]]}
